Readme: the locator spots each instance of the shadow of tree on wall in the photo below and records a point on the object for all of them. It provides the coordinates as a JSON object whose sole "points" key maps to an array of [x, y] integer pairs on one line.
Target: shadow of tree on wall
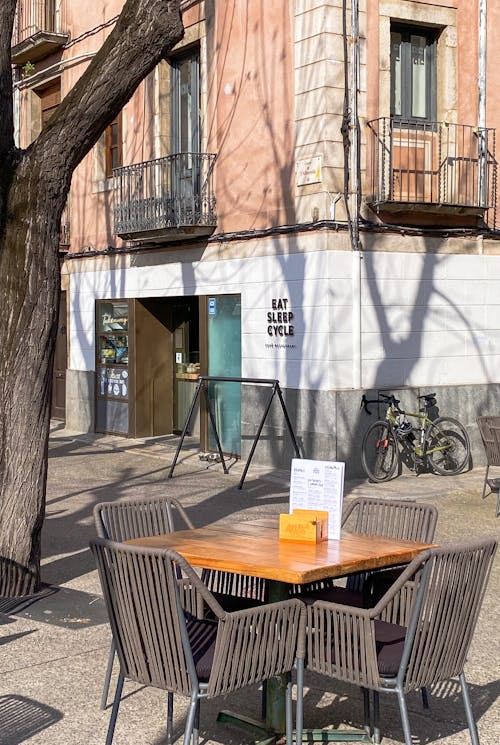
{"points": [[400, 327]]}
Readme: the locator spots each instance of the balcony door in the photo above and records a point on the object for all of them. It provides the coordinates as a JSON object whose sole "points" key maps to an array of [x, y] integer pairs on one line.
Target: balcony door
{"points": [[50, 16], [185, 137], [415, 163]]}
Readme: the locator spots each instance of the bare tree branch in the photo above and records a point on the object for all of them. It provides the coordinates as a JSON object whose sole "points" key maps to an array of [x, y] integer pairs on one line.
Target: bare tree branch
{"points": [[33, 188], [145, 31]]}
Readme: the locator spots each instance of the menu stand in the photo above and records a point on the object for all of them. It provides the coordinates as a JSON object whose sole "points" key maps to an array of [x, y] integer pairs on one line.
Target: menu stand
{"points": [[202, 386]]}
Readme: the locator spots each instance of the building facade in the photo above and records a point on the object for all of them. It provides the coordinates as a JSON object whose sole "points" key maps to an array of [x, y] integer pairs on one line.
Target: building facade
{"points": [[303, 191]]}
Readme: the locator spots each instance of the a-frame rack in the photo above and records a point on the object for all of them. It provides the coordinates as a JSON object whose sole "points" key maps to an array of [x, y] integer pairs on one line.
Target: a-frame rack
{"points": [[202, 386]]}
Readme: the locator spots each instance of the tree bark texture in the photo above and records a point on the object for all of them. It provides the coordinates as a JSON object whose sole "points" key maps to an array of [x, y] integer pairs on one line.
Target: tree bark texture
{"points": [[34, 185]]}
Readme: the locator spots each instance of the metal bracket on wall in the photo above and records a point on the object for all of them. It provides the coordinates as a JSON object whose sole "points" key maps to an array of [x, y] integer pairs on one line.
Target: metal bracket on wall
{"points": [[202, 386]]}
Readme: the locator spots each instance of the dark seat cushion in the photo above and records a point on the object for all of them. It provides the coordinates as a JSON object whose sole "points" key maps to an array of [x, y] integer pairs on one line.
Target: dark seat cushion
{"points": [[232, 603], [202, 635], [333, 594], [389, 643]]}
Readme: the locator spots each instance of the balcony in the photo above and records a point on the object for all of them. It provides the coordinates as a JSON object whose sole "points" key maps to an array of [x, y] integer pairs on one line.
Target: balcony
{"points": [[165, 199], [38, 30], [432, 167]]}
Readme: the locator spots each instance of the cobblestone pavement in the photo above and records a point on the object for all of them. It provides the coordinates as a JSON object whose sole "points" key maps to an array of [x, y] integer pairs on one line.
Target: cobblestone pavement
{"points": [[53, 651]]}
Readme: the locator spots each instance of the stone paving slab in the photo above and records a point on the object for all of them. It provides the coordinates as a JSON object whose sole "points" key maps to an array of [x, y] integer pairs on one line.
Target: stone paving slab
{"points": [[53, 652]]}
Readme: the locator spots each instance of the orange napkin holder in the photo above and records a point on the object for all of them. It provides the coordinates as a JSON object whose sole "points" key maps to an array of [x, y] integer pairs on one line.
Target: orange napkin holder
{"points": [[309, 526]]}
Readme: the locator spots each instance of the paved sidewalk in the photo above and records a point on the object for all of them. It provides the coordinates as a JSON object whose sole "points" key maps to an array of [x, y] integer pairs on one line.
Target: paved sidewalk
{"points": [[53, 652]]}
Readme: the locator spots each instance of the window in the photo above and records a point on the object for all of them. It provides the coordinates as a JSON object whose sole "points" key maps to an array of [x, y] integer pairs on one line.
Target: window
{"points": [[413, 73], [50, 98], [50, 15], [113, 145], [186, 104]]}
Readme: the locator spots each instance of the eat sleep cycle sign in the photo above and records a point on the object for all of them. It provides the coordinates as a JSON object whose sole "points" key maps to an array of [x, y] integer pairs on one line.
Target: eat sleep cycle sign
{"points": [[280, 318]]}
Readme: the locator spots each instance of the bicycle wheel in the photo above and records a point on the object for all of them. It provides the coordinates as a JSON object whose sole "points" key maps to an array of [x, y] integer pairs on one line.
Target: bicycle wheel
{"points": [[447, 446], [379, 452]]}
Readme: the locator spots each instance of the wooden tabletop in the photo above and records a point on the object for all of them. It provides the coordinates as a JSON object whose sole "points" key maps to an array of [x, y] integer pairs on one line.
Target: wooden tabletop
{"points": [[253, 548]]}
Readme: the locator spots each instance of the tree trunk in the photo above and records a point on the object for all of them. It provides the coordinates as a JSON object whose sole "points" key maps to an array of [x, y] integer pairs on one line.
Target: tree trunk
{"points": [[33, 189], [29, 268]]}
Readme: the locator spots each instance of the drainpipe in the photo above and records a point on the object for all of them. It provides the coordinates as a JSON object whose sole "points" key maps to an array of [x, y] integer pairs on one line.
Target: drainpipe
{"points": [[355, 196], [354, 124], [481, 116], [481, 107]]}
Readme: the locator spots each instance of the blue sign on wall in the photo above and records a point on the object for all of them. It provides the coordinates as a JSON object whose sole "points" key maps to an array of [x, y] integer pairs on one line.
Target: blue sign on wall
{"points": [[212, 306]]}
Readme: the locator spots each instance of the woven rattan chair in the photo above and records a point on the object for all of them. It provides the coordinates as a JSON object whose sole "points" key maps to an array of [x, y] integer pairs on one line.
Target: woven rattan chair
{"points": [[391, 518], [135, 518], [371, 648], [158, 644], [127, 519], [489, 429]]}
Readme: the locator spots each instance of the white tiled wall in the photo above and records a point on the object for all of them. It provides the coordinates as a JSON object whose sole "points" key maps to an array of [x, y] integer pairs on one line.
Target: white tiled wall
{"points": [[427, 319]]}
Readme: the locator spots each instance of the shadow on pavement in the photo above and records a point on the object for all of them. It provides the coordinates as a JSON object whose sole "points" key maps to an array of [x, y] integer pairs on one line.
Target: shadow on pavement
{"points": [[71, 609], [343, 705], [21, 718]]}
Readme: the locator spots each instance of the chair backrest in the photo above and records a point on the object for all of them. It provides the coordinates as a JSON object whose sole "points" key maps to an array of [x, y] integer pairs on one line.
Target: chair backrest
{"points": [[486, 424], [134, 518], [445, 613], [237, 585], [127, 519], [139, 588], [391, 518], [155, 642]]}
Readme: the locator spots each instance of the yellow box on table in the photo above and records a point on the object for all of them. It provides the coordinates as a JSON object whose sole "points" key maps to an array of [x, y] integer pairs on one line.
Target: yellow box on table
{"points": [[310, 526]]}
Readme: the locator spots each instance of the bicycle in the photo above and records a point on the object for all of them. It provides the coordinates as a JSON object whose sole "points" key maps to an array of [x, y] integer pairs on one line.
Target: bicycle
{"points": [[441, 445]]}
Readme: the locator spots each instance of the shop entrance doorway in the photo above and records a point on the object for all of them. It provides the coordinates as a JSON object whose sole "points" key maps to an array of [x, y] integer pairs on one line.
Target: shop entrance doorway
{"points": [[150, 353], [224, 360], [147, 364]]}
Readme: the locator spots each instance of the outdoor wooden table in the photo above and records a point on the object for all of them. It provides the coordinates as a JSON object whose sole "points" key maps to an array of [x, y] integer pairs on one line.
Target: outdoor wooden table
{"points": [[253, 548]]}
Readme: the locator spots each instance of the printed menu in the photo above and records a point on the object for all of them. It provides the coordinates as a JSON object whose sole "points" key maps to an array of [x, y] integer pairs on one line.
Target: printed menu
{"points": [[318, 485]]}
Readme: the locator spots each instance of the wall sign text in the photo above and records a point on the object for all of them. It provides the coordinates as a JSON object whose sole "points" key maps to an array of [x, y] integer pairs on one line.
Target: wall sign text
{"points": [[280, 318]]}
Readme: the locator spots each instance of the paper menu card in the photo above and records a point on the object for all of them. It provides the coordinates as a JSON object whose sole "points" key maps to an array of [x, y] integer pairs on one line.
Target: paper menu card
{"points": [[318, 485]]}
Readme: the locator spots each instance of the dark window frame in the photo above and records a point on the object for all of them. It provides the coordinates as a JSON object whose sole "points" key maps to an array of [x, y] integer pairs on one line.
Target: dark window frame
{"points": [[190, 57], [431, 35], [50, 98], [113, 151]]}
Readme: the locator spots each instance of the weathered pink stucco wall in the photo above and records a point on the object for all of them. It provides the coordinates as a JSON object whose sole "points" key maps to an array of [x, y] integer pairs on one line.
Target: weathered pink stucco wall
{"points": [[251, 105], [248, 103]]}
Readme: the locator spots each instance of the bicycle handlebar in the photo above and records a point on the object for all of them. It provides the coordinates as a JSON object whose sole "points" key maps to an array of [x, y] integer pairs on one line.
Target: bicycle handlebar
{"points": [[383, 398]]}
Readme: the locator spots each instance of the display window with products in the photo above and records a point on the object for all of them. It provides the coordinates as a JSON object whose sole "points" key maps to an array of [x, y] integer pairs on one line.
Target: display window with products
{"points": [[112, 353]]}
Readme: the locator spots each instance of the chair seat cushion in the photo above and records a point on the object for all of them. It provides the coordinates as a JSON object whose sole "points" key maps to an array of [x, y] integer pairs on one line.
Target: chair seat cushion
{"points": [[202, 635], [232, 603], [389, 643], [333, 594]]}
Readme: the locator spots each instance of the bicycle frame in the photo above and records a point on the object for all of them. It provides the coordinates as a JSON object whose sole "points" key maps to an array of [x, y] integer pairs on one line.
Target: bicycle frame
{"points": [[394, 414], [440, 443]]}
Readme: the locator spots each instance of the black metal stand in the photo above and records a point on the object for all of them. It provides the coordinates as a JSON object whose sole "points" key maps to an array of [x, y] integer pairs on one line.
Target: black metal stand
{"points": [[202, 385]]}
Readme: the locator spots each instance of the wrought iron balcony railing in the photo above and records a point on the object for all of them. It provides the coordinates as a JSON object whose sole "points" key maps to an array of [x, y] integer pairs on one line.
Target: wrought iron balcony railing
{"points": [[39, 29], [161, 197], [432, 165]]}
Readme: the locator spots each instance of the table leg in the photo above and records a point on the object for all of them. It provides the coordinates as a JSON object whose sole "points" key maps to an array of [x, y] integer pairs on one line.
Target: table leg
{"points": [[271, 731]]}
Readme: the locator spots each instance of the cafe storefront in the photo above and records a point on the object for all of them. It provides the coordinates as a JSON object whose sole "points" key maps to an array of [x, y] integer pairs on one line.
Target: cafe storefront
{"points": [[150, 353]]}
